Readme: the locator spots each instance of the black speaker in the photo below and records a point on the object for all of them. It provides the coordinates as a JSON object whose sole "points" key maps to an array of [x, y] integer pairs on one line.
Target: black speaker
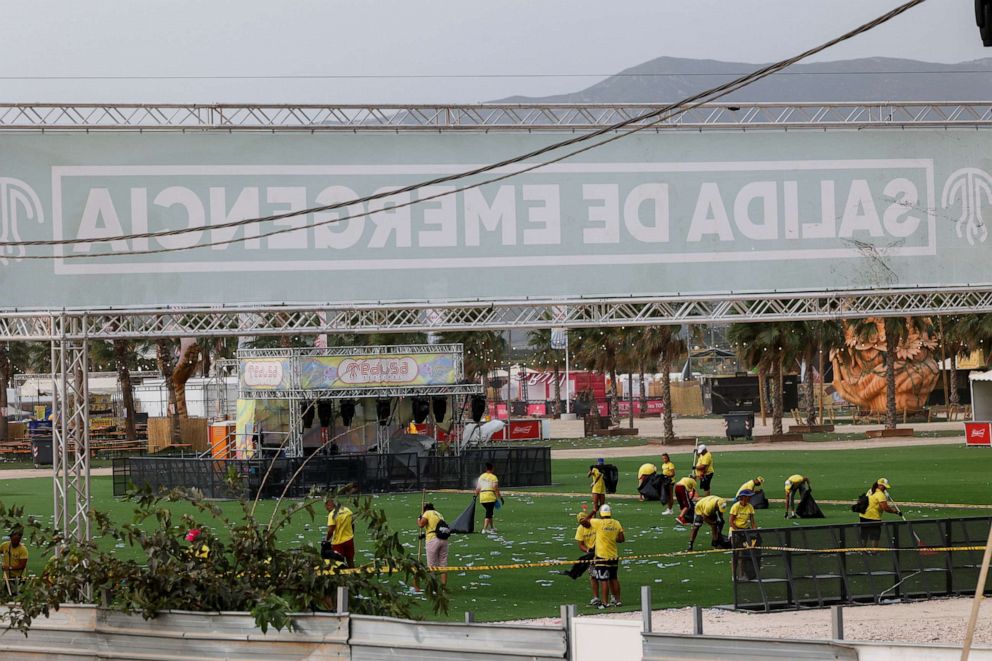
{"points": [[478, 405], [421, 409], [382, 411], [308, 413], [440, 406], [324, 412], [347, 411]]}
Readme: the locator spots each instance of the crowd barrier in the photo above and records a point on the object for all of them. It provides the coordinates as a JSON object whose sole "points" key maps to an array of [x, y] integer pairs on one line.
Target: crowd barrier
{"points": [[370, 473], [809, 566]]}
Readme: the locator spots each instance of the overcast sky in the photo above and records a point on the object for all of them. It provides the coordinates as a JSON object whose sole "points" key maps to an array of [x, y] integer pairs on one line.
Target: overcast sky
{"points": [[464, 38]]}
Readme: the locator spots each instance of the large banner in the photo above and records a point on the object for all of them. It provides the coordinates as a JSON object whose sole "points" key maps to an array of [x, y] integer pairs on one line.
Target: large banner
{"points": [[653, 214], [380, 370]]}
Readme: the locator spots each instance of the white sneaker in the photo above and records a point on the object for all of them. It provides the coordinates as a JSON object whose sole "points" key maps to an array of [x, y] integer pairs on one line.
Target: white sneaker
{"points": [[595, 601], [666, 512]]}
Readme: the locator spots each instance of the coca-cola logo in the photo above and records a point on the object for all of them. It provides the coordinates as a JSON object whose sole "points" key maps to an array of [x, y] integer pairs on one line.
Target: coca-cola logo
{"points": [[262, 373]]}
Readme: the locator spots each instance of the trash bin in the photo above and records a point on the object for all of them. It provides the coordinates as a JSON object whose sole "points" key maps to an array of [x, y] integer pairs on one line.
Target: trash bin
{"points": [[41, 451], [739, 424]]}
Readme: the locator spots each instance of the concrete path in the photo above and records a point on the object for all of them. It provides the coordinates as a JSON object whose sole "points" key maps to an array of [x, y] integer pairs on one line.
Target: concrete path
{"points": [[23, 473]]}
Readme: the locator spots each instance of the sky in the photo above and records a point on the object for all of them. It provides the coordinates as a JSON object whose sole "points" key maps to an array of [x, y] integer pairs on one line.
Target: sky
{"points": [[409, 51]]}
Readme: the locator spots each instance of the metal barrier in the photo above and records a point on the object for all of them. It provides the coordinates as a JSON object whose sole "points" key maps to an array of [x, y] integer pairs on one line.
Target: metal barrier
{"points": [[381, 638], [371, 473], [672, 647], [767, 579]]}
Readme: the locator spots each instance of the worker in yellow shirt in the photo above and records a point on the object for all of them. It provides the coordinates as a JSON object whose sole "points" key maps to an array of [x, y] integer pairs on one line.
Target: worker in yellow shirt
{"points": [[437, 548], [598, 486], [741, 518], [795, 488], [487, 490], [704, 468], [879, 501], [341, 529], [755, 485], [14, 560], [667, 483], [709, 510], [643, 473], [606, 563], [198, 547], [685, 493], [586, 539]]}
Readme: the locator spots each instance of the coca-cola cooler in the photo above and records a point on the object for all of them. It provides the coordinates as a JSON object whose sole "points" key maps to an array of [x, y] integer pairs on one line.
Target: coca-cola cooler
{"points": [[978, 432]]}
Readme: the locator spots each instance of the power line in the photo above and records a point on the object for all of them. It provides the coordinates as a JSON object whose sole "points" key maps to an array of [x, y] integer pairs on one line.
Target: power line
{"points": [[467, 76], [657, 116]]}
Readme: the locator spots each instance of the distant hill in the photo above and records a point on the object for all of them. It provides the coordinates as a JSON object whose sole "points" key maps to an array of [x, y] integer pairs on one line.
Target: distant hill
{"points": [[668, 79]]}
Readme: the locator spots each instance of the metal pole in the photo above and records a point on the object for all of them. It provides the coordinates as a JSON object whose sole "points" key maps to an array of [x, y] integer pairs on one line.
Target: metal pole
{"points": [[567, 621], [469, 617], [342, 599], [646, 608], [568, 383], [977, 601], [837, 622], [697, 621]]}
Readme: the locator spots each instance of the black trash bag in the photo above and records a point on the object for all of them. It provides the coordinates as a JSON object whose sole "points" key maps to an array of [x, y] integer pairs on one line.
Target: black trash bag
{"points": [[808, 509], [580, 567], [327, 552], [721, 542], [759, 500], [611, 476], [665, 492], [651, 487], [465, 523]]}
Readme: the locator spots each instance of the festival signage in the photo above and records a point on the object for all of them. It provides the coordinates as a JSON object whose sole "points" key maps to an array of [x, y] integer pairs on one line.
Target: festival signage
{"points": [[655, 214], [378, 370], [265, 373]]}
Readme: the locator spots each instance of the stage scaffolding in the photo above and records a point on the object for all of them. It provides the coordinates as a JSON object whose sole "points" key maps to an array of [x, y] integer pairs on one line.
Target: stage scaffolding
{"points": [[295, 392]]}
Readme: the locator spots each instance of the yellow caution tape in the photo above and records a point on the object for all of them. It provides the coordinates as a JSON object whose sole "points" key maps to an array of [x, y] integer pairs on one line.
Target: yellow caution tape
{"points": [[672, 554]]}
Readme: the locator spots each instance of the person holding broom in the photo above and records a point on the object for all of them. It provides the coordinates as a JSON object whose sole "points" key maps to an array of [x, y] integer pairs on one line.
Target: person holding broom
{"points": [[871, 519], [598, 486]]}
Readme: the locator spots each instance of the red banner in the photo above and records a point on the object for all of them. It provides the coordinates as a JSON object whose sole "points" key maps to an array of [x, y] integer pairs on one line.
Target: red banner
{"points": [[520, 430], [978, 434]]}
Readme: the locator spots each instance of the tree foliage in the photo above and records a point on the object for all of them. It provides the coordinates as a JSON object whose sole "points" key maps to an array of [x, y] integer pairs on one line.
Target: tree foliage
{"points": [[248, 567]]}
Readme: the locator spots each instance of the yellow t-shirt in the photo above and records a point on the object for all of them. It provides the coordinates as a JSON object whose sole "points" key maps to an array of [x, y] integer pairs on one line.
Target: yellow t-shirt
{"points": [[607, 531], [793, 482], [586, 535], [708, 506], [668, 469], [704, 463], [598, 482], [749, 486], [688, 483], [488, 483], [9, 556], [344, 529], [740, 515], [875, 500], [433, 518], [646, 469]]}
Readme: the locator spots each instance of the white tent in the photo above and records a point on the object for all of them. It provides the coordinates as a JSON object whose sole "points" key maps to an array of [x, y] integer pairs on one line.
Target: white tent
{"points": [[981, 395]]}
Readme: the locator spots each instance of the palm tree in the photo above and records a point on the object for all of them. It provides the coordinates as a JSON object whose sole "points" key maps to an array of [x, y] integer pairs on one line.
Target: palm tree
{"points": [[547, 357], [816, 340], [769, 347], [893, 330], [484, 351], [659, 347]]}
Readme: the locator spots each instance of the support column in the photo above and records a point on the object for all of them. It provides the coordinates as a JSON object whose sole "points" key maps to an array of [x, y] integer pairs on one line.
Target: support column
{"points": [[70, 429]]}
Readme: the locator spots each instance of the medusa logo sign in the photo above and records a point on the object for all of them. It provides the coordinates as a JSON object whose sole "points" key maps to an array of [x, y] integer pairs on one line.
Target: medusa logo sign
{"points": [[18, 201], [971, 188]]}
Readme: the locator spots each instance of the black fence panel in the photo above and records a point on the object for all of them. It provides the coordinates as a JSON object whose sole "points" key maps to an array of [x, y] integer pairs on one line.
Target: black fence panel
{"points": [[901, 568], [370, 473]]}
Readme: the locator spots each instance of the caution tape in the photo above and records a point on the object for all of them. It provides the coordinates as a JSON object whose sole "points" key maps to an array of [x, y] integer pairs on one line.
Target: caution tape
{"points": [[372, 569]]}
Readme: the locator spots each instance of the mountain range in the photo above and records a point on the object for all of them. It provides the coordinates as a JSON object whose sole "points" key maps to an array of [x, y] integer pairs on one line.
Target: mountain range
{"points": [[667, 79]]}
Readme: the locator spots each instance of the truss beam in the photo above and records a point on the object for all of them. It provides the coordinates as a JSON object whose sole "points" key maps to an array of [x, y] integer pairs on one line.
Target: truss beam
{"points": [[70, 431], [365, 393], [407, 317], [484, 117]]}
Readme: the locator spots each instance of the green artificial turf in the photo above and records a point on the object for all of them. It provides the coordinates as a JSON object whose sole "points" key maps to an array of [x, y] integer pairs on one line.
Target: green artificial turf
{"points": [[534, 528]]}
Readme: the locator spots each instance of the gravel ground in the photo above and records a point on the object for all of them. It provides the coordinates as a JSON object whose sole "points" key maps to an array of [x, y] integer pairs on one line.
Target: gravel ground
{"points": [[940, 621]]}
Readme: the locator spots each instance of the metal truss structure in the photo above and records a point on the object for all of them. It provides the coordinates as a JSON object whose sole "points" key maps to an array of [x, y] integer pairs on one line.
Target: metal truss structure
{"points": [[296, 394], [70, 330], [485, 117]]}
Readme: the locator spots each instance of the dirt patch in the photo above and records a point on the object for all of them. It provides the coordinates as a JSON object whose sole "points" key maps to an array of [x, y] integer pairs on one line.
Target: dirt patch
{"points": [[940, 621]]}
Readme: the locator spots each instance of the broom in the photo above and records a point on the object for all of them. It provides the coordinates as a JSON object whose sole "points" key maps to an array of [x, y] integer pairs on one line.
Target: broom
{"points": [[924, 549], [420, 538]]}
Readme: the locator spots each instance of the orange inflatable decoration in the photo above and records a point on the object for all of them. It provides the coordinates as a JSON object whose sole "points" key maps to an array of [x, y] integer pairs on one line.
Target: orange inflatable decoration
{"points": [[859, 369]]}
